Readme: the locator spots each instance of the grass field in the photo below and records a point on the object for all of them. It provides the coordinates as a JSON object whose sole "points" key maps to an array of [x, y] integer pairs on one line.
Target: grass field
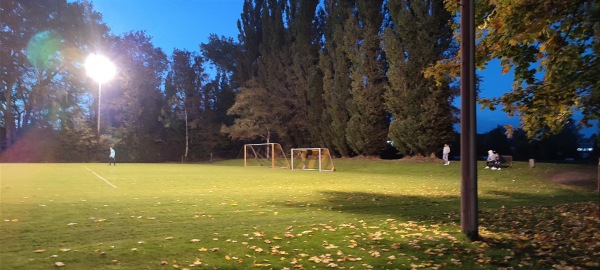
{"points": [[370, 214]]}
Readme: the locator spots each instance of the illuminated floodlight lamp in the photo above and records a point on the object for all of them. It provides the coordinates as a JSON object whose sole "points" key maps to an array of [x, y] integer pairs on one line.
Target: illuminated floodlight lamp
{"points": [[101, 69]]}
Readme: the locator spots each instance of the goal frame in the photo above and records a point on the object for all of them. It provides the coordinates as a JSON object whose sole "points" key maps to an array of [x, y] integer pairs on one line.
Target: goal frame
{"points": [[321, 152], [273, 147]]}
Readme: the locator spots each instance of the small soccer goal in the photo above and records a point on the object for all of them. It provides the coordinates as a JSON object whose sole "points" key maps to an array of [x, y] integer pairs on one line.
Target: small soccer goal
{"points": [[315, 159], [265, 154]]}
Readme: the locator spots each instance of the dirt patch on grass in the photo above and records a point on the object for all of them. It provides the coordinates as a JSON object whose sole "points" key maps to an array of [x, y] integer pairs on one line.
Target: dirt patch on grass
{"points": [[587, 178]]}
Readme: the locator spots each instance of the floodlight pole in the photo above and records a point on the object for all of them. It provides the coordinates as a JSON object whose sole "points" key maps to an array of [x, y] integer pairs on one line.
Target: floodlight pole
{"points": [[101, 70], [468, 131], [99, 108]]}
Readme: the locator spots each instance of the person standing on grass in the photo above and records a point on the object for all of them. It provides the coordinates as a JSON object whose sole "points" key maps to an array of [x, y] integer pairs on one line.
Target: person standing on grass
{"points": [[111, 157], [445, 154]]}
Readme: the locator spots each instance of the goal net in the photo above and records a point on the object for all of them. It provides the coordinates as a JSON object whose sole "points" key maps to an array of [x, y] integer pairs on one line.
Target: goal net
{"points": [[316, 159], [265, 154]]}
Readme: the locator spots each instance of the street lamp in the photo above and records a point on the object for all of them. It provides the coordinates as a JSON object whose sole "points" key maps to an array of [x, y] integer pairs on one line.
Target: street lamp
{"points": [[101, 70]]}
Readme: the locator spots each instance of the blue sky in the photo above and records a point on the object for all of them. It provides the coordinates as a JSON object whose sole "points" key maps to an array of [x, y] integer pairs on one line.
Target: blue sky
{"points": [[184, 24]]}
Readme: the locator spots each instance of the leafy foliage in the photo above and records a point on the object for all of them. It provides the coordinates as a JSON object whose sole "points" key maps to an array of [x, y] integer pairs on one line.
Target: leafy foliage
{"points": [[43, 44], [552, 48]]}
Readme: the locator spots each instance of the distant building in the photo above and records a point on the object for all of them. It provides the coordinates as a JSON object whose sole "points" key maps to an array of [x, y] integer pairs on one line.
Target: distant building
{"points": [[585, 150]]}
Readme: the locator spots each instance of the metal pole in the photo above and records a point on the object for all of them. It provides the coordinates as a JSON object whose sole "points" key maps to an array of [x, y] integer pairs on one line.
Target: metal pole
{"points": [[468, 131], [272, 155], [98, 124], [99, 106], [320, 159]]}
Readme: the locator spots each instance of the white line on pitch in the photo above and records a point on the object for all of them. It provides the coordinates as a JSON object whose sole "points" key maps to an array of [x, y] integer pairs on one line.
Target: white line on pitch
{"points": [[111, 184]]}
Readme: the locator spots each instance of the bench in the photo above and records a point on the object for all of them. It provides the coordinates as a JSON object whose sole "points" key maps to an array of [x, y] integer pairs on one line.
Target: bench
{"points": [[508, 160]]}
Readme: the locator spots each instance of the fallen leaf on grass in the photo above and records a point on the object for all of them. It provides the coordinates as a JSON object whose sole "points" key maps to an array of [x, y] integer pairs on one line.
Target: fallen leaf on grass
{"points": [[331, 246], [39, 251], [59, 264]]}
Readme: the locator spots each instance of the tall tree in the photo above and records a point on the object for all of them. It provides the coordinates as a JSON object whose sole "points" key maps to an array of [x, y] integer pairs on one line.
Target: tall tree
{"points": [[36, 64], [223, 53], [250, 37], [367, 128], [220, 97], [287, 56], [134, 98], [303, 39], [275, 75], [253, 108], [419, 35], [188, 76], [335, 66]]}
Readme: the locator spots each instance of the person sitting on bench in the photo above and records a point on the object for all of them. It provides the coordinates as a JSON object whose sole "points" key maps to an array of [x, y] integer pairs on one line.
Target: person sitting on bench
{"points": [[493, 160]]}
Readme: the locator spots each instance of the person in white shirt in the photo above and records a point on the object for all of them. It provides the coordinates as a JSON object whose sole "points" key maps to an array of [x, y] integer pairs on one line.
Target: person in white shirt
{"points": [[111, 157], [445, 154]]}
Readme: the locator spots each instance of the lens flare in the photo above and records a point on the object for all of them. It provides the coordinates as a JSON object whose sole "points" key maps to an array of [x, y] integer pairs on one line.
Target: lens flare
{"points": [[44, 49]]}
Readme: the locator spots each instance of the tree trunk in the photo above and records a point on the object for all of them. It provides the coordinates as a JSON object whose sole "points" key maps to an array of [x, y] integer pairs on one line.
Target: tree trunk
{"points": [[9, 118]]}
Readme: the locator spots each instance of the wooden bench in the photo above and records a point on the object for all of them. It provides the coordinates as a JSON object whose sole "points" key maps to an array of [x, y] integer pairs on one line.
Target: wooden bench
{"points": [[508, 160]]}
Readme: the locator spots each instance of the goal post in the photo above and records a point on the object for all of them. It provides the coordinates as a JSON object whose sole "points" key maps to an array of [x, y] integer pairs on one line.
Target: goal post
{"points": [[265, 154], [315, 159]]}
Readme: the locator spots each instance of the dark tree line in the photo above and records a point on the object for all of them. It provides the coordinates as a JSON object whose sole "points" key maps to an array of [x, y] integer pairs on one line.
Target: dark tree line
{"points": [[346, 75]]}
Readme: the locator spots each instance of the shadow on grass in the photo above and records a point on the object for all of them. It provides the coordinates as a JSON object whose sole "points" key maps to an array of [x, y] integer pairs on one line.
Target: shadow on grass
{"points": [[415, 207], [517, 228]]}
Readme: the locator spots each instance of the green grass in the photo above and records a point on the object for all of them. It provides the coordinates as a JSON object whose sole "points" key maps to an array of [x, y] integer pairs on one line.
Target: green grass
{"points": [[368, 214]]}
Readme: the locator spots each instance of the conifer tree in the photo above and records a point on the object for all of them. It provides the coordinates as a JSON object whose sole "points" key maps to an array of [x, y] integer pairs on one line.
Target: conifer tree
{"points": [[422, 114], [335, 65], [303, 40], [286, 60], [367, 129], [250, 37]]}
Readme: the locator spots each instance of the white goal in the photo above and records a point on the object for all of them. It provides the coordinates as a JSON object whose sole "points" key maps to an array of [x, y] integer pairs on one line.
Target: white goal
{"points": [[315, 159], [265, 154]]}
